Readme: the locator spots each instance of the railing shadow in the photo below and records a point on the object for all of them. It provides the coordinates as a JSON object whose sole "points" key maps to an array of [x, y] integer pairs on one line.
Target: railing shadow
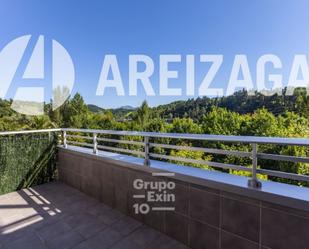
{"points": [[31, 213], [42, 171]]}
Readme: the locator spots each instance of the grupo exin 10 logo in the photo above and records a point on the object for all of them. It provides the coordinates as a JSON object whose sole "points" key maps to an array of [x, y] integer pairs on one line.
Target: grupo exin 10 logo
{"points": [[29, 100]]}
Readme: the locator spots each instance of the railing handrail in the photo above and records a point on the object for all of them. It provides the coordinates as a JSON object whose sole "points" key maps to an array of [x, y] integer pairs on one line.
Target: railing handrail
{"points": [[4, 133], [206, 137]]}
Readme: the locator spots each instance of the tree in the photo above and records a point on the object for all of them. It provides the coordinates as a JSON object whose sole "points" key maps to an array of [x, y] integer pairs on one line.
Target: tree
{"points": [[143, 114], [185, 125], [222, 122], [75, 113]]}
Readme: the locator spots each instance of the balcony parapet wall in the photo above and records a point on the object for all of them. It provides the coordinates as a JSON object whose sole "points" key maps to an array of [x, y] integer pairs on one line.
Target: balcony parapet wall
{"points": [[212, 209]]}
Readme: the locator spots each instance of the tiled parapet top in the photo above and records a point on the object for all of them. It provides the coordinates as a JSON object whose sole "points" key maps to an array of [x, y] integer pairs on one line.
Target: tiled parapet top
{"points": [[204, 217]]}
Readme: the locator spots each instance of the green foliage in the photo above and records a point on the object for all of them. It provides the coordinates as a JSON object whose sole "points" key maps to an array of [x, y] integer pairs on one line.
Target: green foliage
{"points": [[239, 114], [240, 102], [26, 160], [142, 114], [220, 121], [76, 113], [185, 125], [196, 155]]}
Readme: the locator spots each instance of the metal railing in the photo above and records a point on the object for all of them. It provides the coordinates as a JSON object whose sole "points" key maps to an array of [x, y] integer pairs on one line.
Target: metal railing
{"points": [[95, 140], [147, 145], [5, 133]]}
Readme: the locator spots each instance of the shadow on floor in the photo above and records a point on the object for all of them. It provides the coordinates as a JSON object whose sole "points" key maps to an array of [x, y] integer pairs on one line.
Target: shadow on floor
{"points": [[56, 216]]}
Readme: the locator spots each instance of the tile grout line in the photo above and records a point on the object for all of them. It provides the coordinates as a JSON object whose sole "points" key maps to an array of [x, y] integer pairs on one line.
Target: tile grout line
{"points": [[220, 220], [286, 212], [241, 199], [260, 230], [189, 216], [240, 237]]}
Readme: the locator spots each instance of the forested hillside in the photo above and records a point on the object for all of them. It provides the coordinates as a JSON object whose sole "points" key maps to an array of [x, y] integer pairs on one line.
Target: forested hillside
{"points": [[239, 102], [240, 114]]}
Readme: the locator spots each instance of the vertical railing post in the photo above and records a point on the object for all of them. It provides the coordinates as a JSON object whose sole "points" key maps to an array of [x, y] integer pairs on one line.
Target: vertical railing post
{"points": [[95, 144], [253, 182], [147, 160], [64, 135]]}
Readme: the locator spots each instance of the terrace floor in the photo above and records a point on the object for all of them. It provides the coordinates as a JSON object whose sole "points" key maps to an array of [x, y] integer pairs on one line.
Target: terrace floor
{"points": [[55, 215]]}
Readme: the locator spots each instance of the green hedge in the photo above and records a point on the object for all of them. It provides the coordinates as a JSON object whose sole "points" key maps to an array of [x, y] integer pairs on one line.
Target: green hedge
{"points": [[27, 160]]}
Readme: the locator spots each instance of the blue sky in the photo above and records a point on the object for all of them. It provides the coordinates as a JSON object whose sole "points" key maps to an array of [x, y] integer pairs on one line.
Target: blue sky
{"points": [[91, 29]]}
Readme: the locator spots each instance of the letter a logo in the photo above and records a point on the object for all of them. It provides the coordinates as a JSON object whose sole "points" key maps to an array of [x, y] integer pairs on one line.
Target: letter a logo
{"points": [[30, 100]]}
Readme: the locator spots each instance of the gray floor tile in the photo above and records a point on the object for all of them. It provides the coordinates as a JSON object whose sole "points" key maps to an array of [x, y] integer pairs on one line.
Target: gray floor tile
{"points": [[165, 242], [126, 225], [98, 209], [111, 217], [104, 239], [26, 242], [76, 220], [6, 238], [54, 230], [126, 244], [65, 241], [144, 236], [88, 230]]}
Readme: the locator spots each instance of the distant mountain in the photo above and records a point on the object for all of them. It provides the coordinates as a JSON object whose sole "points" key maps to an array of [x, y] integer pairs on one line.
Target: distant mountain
{"points": [[240, 102], [122, 112], [119, 113], [95, 108], [127, 107]]}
